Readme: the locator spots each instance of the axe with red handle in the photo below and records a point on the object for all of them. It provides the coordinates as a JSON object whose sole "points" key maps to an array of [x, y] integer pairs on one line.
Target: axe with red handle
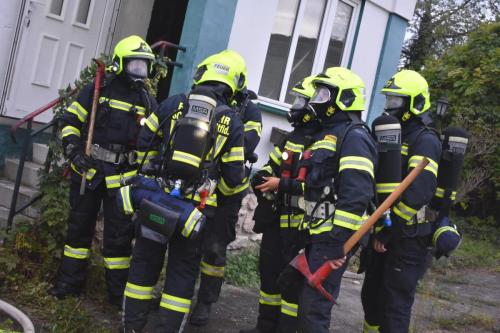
{"points": [[90, 136], [316, 279]]}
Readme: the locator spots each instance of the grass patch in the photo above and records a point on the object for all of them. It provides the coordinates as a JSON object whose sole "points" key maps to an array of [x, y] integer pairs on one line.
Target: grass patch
{"points": [[476, 320], [243, 268]]}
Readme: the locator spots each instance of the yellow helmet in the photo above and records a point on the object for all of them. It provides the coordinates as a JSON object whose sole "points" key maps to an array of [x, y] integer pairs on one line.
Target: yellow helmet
{"points": [[351, 88], [226, 67], [304, 87], [131, 47], [408, 83]]}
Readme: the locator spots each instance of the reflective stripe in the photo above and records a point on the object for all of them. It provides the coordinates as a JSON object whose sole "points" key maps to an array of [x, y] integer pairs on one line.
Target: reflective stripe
{"points": [[70, 130], [347, 220], [404, 211], [140, 155], [324, 144], [77, 109], [235, 154], [357, 163], [386, 187], [117, 263], [295, 147], [268, 169], [211, 270], [226, 190], [253, 126], [76, 253], [431, 167], [269, 299], [321, 228], [191, 222], [211, 200], [127, 204], [219, 143], [121, 105], [439, 231], [440, 193], [116, 181], [294, 221], [90, 172], [152, 123], [174, 303], [138, 292], [367, 328], [404, 149], [289, 309], [275, 155], [187, 158]]}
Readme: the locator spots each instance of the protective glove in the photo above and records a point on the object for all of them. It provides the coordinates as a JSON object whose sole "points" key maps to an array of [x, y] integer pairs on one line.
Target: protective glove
{"points": [[82, 162]]}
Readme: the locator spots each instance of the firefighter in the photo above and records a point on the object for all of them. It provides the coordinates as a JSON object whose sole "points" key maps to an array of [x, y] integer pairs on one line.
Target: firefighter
{"points": [[197, 139], [278, 216], [338, 187], [401, 250], [123, 102], [223, 230]]}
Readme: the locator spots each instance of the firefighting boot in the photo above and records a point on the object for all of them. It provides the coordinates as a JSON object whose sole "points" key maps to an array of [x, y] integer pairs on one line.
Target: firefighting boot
{"points": [[201, 314], [62, 290]]}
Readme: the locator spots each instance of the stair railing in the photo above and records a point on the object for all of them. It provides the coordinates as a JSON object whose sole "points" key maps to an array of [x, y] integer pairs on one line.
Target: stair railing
{"points": [[28, 120]]}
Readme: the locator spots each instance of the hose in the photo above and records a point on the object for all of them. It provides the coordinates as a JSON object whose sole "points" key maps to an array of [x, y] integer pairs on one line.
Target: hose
{"points": [[18, 316]]}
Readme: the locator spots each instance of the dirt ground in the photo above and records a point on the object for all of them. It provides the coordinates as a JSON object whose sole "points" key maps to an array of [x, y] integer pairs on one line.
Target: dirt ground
{"points": [[468, 302], [463, 302]]}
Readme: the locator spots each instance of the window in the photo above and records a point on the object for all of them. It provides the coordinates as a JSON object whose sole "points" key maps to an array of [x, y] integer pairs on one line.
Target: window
{"points": [[82, 14], [56, 7], [307, 36]]}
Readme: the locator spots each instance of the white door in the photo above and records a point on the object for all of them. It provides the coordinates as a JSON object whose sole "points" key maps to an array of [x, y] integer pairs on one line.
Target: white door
{"points": [[60, 37]]}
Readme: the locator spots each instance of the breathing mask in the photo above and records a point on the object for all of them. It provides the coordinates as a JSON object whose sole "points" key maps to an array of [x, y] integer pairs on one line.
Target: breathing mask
{"points": [[137, 69]]}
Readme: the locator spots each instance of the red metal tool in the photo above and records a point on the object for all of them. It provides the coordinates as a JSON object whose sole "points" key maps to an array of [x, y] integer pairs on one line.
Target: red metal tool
{"points": [[287, 158], [90, 136], [316, 279], [303, 169]]}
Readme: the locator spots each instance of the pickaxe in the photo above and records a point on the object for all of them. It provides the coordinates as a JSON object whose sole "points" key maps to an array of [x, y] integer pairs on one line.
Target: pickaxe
{"points": [[316, 279]]}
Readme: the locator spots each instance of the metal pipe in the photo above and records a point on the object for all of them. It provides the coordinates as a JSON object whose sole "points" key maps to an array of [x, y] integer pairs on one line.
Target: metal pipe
{"points": [[18, 316]]}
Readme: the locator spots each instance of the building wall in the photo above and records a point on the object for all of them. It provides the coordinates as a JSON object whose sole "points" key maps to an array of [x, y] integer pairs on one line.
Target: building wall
{"points": [[9, 13], [133, 19]]}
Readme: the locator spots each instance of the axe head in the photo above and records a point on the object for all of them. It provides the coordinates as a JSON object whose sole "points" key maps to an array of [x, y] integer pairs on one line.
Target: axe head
{"points": [[314, 280], [300, 264]]}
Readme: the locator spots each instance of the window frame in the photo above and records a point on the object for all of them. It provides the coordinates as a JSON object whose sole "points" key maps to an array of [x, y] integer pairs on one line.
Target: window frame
{"points": [[322, 45]]}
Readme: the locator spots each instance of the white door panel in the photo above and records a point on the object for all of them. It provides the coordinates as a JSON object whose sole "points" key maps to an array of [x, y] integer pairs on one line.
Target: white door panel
{"points": [[60, 37]]}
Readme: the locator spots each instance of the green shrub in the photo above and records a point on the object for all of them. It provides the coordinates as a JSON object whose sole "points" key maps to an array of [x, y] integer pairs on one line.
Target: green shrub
{"points": [[243, 268]]}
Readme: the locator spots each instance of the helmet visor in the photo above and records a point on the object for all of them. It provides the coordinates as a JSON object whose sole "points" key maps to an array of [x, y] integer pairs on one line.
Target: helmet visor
{"points": [[300, 102], [321, 95], [394, 102], [137, 68]]}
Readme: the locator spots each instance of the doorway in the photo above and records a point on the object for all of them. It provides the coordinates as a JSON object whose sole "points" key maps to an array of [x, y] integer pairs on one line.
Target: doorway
{"points": [[167, 20]]}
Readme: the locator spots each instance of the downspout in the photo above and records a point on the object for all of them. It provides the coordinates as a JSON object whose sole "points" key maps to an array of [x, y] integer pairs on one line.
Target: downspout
{"points": [[12, 56]]}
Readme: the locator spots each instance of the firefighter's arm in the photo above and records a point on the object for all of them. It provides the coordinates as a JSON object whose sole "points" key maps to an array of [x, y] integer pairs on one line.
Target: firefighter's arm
{"points": [[232, 160], [355, 179], [74, 120], [252, 127], [421, 191]]}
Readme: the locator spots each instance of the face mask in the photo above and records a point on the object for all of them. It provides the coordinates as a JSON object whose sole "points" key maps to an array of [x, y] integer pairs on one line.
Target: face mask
{"points": [[395, 105], [321, 103], [137, 69]]}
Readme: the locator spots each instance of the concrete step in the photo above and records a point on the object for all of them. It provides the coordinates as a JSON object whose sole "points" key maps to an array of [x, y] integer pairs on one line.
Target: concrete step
{"points": [[40, 152], [4, 215], [25, 195], [30, 174]]}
